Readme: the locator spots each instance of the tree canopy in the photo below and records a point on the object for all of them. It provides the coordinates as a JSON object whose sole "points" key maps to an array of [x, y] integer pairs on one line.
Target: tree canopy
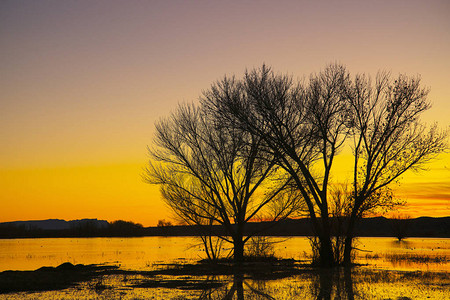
{"points": [[215, 174], [269, 132]]}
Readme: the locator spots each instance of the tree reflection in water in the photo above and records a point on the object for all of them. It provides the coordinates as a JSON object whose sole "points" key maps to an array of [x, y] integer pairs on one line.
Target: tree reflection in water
{"points": [[240, 289], [325, 284], [333, 284]]}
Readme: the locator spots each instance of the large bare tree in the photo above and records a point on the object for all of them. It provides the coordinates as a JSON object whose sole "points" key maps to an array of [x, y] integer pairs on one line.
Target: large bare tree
{"points": [[210, 173], [305, 125], [302, 125]]}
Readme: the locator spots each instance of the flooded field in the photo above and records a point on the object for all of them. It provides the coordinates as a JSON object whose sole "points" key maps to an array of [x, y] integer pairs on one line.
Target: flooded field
{"points": [[413, 269]]}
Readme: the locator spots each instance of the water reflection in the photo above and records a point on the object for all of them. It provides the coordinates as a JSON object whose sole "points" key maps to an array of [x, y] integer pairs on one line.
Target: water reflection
{"points": [[330, 284], [324, 284], [240, 289], [359, 283], [403, 244]]}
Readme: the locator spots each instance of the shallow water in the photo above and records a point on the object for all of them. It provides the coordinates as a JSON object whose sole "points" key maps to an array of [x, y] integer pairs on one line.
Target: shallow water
{"points": [[142, 253], [391, 270], [129, 253]]}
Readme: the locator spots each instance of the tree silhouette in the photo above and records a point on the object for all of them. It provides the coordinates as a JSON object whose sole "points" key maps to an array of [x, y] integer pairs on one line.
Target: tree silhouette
{"points": [[215, 174], [305, 125], [164, 223], [388, 138], [125, 228], [302, 125], [399, 226]]}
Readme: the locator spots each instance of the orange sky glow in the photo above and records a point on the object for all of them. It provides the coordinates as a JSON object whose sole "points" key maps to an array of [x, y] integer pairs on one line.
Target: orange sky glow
{"points": [[83, 82]]}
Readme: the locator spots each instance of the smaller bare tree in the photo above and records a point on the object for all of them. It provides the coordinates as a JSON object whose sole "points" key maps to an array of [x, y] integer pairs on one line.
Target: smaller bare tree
{"points": [[212, 174], [399, 225], [388, 140], [164, 223]]}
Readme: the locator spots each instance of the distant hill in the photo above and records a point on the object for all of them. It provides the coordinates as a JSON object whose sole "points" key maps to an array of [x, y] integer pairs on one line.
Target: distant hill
{"points": [[369, 227], [56, 224], [55, 228]]}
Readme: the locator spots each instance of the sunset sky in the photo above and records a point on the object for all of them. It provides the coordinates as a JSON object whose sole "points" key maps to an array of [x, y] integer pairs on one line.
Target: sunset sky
{"points": [[83, 82]]}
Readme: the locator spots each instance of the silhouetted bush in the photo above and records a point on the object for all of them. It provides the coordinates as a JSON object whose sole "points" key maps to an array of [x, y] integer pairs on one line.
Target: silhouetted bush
{"points": [[125, 228]]}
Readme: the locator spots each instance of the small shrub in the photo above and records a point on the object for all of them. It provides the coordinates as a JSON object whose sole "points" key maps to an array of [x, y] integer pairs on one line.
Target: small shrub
{"points": [[260, 247]]}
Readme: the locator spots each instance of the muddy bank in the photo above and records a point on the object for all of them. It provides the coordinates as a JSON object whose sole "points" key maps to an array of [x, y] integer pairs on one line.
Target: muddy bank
{"points": [[50, 278], [67, 275]]}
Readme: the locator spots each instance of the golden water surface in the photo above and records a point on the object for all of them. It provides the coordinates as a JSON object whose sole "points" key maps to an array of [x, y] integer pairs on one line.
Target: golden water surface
{"points": [[417, 268], [142, 253]]}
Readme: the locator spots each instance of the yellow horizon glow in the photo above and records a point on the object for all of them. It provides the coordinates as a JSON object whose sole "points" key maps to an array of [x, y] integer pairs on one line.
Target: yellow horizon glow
{"points": [[104, 192], [76, 192], [425, 192]]}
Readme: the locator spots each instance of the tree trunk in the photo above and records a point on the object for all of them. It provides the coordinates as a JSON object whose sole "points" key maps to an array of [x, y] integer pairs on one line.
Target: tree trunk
{"points": [[349, 241], [238, 282], [326, 248], [238, 252], [348, 251], [326, 258], [348, 283], [325, 284]]}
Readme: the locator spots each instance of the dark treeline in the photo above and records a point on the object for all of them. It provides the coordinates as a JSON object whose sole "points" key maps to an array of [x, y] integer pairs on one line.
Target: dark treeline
{"points": [[369, 227], [82, 228]]}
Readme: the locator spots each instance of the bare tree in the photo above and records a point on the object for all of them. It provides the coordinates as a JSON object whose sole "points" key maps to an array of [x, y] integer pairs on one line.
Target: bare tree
{"points": [[388, 139], [164, 223], [302, 125], [215, 174], [399, 225]]}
